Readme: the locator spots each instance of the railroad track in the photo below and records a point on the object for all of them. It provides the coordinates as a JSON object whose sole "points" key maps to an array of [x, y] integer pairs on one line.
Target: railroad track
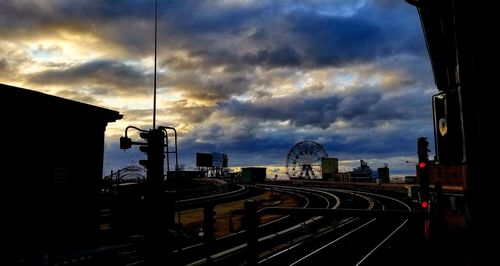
{"points": [[285, 239], [341, 240], [350, 243], [235, 244]]}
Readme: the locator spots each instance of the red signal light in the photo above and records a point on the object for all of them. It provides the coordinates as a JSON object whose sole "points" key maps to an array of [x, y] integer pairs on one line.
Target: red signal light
{"points": [[424, 204], [422, 164]]}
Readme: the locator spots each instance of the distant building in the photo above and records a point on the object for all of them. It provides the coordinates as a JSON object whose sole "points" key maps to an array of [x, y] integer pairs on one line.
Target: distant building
{"points": [[383, 174], [363, 173], [254, 174], [52, 163], [329, 167]]}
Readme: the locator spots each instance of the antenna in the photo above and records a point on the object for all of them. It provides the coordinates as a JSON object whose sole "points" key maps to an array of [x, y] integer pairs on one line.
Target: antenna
{"points": [[154, 93]]}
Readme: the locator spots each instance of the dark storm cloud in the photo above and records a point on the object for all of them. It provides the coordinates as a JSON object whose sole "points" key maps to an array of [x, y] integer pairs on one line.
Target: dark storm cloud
{"points": [[374, 31], [281, 57], [335, 41], [209, 17], [26, 19], [299, 111], [120, 76], [41, 13], [215, 90], [137, 114], [248, 149], [3, 64], [195, 114], [78, 95], [183, 112], [6, 71], [269, 33], [270, 36], [365, 109], [12, 61], [400, 24], [210, 88], [370, 143], [283, 38]]}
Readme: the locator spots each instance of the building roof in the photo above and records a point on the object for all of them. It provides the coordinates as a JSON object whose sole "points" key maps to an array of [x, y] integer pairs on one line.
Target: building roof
{"points": [[19, 101]]}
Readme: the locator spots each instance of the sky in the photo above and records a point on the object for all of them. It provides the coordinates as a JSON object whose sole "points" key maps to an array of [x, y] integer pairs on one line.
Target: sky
{"points": [[249, 78]]}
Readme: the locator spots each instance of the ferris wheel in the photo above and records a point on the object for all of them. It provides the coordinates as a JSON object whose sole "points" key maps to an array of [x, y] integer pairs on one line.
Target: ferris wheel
{"points": [[304, 160]]}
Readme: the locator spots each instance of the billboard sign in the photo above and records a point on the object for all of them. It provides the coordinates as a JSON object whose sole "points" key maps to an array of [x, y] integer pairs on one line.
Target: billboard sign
{"points": [[218, 159], [204, 159]]}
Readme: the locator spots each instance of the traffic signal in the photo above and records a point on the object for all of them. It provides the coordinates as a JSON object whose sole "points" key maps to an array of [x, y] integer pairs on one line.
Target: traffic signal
{"points": [[155, 150], [423, 149], [144, 135], [144, 148], [423, 174], [125, 143], [154, 147], [423, 170]]}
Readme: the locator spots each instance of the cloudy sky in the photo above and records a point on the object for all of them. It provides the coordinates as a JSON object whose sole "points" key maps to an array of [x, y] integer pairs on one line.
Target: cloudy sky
{"points": [[249, 78]]}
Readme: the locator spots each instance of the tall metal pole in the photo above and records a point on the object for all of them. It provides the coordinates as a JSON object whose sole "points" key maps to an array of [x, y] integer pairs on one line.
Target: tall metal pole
{"points": [[156, 227], [157, 220], [154, 93]]}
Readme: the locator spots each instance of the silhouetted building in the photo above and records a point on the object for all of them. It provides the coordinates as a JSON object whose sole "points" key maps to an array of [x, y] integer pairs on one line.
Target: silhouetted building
{"points": [[51, 170], [329, 167], [254, 174], [363, 173], [383, 174]]}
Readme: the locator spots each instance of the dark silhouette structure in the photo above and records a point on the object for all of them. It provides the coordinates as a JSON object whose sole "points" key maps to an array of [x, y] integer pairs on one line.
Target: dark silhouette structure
{"points": [[460, 40], [51, 171], [383, 174], [254, 174]]}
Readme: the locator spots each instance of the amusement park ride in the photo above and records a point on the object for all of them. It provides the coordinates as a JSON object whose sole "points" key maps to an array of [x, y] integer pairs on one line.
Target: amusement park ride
{"points": [[304, 160]]}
